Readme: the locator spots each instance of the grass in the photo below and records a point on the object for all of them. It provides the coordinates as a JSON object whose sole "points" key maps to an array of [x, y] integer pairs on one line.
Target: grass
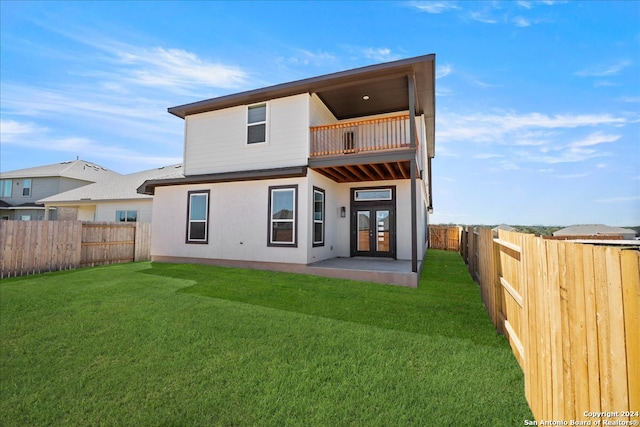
{"points": [[172, 344]]}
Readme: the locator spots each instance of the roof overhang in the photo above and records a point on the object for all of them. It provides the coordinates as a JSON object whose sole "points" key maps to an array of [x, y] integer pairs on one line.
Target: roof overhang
{"points": [[149, 186], [385, 85]]}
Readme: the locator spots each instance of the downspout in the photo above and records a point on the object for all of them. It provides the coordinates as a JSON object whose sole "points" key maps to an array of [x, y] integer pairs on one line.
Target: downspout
{"points": [[413, 172]]}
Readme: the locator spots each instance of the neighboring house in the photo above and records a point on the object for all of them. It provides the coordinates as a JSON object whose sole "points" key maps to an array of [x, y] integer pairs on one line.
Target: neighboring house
{"points": [[21, 190], [584, 230], [332, 166], [505, 227], [113, 200]]}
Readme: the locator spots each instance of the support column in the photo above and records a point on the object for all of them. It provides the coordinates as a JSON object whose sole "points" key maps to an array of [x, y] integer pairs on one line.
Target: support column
{"points": [[413, 172]]}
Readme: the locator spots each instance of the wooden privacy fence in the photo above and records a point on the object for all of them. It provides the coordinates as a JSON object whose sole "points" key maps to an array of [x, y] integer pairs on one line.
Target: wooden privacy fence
{"points": [[571, 313], [444, 237], [31, 247]]}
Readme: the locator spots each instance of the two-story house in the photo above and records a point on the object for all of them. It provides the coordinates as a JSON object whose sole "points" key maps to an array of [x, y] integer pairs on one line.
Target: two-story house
{"points": [[283, 177], [21, 190]]}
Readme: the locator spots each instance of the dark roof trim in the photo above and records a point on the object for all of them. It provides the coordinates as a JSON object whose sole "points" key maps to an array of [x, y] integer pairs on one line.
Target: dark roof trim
{"points": [[404, 66], [149, 186]]}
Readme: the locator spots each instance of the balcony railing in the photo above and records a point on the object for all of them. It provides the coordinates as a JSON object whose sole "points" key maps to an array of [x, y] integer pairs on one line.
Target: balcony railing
{"points": [[387, 133]]}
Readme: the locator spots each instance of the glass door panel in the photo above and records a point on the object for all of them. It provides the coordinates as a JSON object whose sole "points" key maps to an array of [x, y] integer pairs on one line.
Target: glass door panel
{"points": [[383, 231], [364, 231]]}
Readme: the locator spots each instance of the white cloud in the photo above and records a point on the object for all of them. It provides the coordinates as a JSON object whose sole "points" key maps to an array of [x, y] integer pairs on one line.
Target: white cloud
{"points": [[168, 68], [603, 83], [532, 137], [604, 70], [482, 17], [30, 135], [483, 127], [633, 99], [521, 21], [443, 70], [307, 57], [379, 54], [594, 139], [487, 155], [434, 6], [573, 176], [12, 131], [524, 4]]}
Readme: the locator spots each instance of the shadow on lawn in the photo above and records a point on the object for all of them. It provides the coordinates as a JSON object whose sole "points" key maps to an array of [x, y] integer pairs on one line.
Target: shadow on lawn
{"points": [[446, 304]]}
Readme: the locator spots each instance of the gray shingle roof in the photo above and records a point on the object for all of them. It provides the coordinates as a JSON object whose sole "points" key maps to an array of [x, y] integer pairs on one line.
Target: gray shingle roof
{"points": [[120, 187], [76, 169]]}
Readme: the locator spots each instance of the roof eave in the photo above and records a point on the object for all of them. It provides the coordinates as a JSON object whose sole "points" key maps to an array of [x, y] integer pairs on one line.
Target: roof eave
{"points": [[310, 85]]}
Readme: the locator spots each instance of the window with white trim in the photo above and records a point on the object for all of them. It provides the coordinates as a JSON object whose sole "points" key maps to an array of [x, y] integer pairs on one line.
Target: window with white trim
{"points": [[26, 187], [198, 217], [283, 219], [257, 123], [318, 216], [126, 216]]}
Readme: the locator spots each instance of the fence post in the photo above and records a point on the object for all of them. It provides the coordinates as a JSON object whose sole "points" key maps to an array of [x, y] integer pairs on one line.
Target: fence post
{"points": [[496, 286]]}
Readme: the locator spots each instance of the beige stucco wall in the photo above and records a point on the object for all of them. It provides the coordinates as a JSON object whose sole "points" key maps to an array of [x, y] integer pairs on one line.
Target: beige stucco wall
{"points": [[238, 221]]}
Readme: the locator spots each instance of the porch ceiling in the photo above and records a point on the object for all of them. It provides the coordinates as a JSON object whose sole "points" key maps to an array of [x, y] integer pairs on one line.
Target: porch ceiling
{"points": [[366, 172], [384, 95]]}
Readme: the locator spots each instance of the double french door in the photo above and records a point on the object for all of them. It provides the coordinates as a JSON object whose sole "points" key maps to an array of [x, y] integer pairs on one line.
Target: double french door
{"points": [[373, 231]]}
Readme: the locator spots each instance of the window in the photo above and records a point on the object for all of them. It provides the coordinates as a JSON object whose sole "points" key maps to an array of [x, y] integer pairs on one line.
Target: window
{"points": [[126, 216], [26, 188], [377, 194], [257, 124], [318, 217], [198, 217], [5, 190], [282, 216]]}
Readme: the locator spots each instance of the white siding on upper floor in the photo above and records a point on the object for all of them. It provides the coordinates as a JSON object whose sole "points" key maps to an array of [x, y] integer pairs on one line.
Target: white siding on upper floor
{"points": [[319, 114], [216, 141]]}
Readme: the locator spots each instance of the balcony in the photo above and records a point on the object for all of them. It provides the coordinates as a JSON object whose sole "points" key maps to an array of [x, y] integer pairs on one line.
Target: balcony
{"points": [[366, 150]]}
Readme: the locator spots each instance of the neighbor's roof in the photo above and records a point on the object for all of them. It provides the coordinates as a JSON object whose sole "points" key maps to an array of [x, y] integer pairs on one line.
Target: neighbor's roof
{"points": [[121, 187], [505, 227], [591, 230], [76, 169], [342, 92]]}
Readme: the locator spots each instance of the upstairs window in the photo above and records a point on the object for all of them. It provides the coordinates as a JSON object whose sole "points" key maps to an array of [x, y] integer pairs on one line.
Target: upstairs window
{"points": [[198, 217], [5, 189], [257, 124], [26, 188]]}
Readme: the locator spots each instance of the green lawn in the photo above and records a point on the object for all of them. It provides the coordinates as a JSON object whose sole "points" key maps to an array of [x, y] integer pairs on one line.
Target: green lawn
{"points": [[164, 345]]}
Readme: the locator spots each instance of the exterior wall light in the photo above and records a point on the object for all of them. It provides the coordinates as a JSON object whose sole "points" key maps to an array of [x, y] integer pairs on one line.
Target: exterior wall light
{"points": [[343, 212]]}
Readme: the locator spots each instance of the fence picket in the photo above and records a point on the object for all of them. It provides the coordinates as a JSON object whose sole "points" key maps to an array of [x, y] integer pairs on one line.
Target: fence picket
{"points": [[575, 309]]}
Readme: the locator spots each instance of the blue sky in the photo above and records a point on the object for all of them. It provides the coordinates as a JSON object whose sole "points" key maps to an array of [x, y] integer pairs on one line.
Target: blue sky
{"points": [[538, 102]]}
